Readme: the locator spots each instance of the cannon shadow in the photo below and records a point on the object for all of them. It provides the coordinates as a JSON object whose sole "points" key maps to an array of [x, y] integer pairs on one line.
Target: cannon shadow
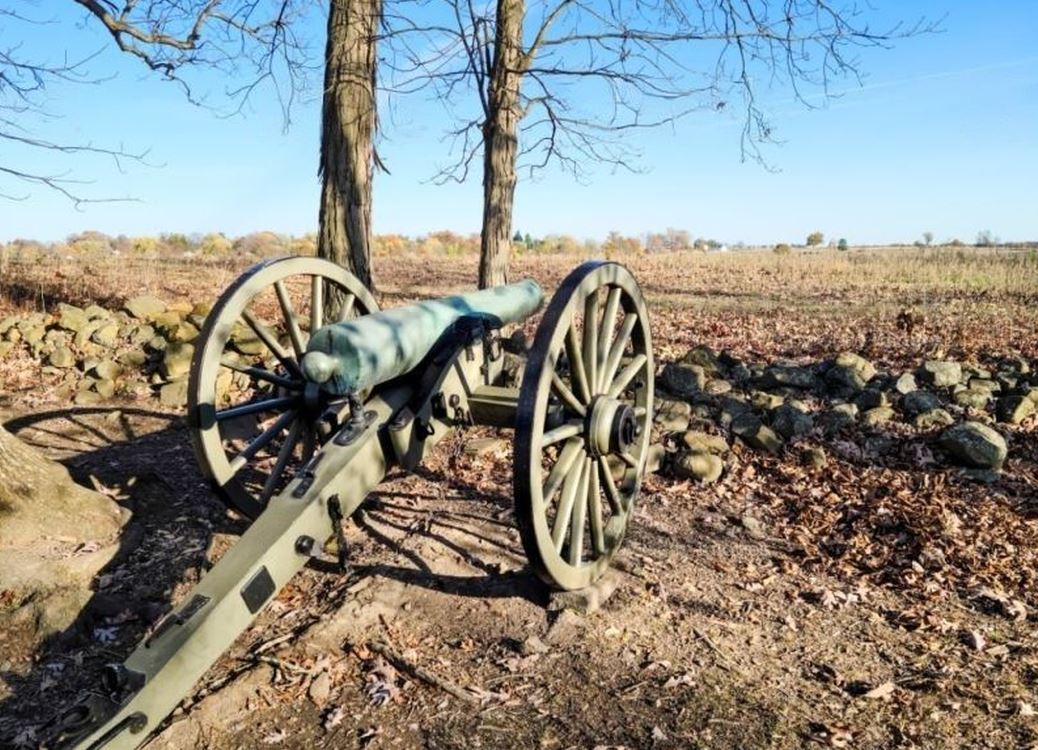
{"points": [[144, 459]]}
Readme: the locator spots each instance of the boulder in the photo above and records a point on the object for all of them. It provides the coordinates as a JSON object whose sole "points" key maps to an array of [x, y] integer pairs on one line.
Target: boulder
{"points": [[872, 398], [672, 416], [144, 307], [986, 384], [62, 357], [928, 420], [815, 457], [790, 422], [105, 387], [174, 393], [176, 362], [705, 467], [975, 445], [1014, 409], [940, 374], [704, 357], [917, 402], [71, 318], [703, 442], [755, 433], [731, 408], [976, 398], [766, 401], [106, 335], [718, 387], [788, 375], [837, 418], [905, 384], [106, 369], [849, 374], [877, 416], [683, 381], [96, 312]]}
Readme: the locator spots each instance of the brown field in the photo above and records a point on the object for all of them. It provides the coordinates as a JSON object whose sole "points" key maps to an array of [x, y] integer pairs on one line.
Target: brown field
{"points": [[883, 601]]}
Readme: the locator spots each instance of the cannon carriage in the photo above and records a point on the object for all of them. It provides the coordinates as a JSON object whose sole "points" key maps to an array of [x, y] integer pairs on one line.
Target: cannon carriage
{"points": [[303, 395]]}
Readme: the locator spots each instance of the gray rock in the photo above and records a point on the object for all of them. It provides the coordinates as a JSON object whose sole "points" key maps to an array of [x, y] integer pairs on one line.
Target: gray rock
{"points": [[705, 467], [849, 374], [106, 369], [96, 312], [157, 344], [1008, 380], [731, 408], [872, 398], [138, 334], [986, 384], [683, 381], [655, 458], [105, 387], [940, 374], [815, 457], [976, 398], [905, 384], [856, 362], [71, 318], [87, 398], [174, 393], [788, 375], [62, 357], [672, 416], [704, 357], [789, 422], [838, 418], [483, 446], [718, 387], [144, 307], [928, 420], [703, 442], [5, 348], [975, 445], [1014, 409], [106, 335], [755, 433], [917, 402], [877, 416], [753, 527], [133, 359], [766, 401], [1032, 393], [176, 362]]}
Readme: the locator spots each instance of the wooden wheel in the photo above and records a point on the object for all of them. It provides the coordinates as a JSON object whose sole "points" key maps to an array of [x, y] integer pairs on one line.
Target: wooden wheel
{"points": [[254, 418], [582, 426]]}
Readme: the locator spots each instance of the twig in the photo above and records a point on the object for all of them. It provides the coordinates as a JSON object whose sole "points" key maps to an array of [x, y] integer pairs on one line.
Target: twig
{"points": [[398, 661], [725, 662]]}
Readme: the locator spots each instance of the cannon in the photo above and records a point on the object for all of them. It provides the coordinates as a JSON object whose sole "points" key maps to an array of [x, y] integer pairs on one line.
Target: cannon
{"points": [[303, 395]]}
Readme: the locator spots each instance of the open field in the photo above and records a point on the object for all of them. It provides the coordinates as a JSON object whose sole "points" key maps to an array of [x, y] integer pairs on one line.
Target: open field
{"points": [[850, 588]]}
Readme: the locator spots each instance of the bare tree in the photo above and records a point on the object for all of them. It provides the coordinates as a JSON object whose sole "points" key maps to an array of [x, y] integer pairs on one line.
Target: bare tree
{"points": [[563, 81], [24, 77], [255, 44]]}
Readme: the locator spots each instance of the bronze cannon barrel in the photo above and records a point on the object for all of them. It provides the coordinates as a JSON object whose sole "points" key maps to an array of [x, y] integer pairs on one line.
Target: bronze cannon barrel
{"points": [[358, 354]]}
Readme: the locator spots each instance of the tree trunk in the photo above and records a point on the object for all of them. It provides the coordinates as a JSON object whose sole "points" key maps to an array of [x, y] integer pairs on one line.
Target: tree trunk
{"points": [[54, 537], [348, 126], [500, 144]]}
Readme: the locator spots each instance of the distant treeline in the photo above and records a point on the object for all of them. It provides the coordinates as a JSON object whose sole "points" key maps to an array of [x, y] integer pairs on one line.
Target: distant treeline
{"points": [[443, 242]]}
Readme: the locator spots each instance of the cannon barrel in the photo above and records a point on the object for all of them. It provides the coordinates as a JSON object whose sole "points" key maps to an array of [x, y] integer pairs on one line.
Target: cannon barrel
{"points": [[358, 354]]}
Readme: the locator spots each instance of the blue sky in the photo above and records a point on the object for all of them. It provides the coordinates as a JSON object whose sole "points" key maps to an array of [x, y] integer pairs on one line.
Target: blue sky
{"points": [[942, 137]]}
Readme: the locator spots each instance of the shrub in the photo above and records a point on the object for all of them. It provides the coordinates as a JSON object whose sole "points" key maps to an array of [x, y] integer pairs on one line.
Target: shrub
{"points": [[782, 249], [815, 238], [842, 245]]}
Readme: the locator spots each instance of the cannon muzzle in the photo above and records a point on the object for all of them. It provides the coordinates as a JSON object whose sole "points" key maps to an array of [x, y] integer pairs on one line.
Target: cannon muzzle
{"points": [[354, 355]]}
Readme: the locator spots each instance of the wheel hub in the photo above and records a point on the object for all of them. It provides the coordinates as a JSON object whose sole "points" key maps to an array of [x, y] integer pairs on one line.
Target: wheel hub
{"points": [[611, 427]]}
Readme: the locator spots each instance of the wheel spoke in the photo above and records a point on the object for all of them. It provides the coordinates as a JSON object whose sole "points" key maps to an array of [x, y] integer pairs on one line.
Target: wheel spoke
{"points": [[595, 511], [347, 307], [316, 304], [617, 352], [268, 339], [628, 459], [560, 470], [576, 364], [576, 529], [605, 336], [562, 432], [569, 494], [290, 319], [255, 407], [625, 377], [591, 340], [284, 456], [261, 441], [260, 374], [612, 494], [568, 397]]}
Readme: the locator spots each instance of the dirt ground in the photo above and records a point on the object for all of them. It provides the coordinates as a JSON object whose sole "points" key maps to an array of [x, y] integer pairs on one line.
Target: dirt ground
{"points": [[879, 602]]}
